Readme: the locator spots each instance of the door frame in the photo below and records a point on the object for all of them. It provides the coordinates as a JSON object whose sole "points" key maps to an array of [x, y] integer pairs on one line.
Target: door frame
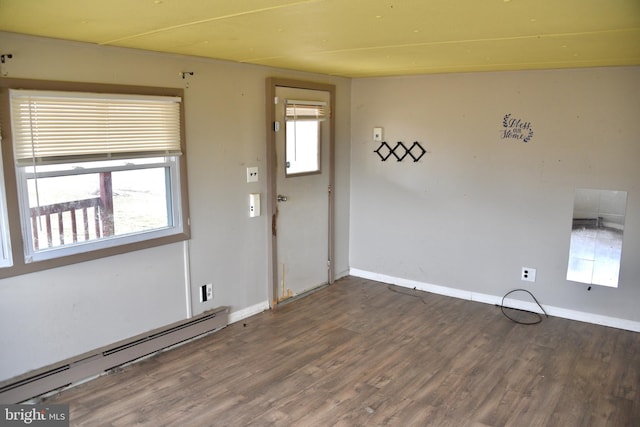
{"points": [[272, 83]]}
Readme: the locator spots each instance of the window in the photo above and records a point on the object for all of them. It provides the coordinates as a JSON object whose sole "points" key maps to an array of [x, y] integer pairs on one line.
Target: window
{"points": [[5, 243], [302, 144], [95, 171]]}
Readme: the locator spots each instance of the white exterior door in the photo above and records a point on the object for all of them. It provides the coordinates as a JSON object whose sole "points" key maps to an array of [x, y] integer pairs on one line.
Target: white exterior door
{"points": [[302, 184]]}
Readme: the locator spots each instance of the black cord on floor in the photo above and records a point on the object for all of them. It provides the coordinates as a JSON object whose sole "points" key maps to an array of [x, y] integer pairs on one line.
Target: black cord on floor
{"points": [[502, 307]]}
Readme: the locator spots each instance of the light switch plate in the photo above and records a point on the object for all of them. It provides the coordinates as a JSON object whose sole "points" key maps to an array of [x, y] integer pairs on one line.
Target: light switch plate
{"points": [[254, 205], [377, 134]]}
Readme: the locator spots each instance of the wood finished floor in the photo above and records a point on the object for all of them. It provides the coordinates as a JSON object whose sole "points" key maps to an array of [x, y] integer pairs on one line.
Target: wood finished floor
{"points": [[359, 354]]}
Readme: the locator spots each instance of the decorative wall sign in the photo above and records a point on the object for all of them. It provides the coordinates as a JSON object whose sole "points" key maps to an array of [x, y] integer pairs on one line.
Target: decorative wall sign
{"points": [[400, 151], [518, 129]]}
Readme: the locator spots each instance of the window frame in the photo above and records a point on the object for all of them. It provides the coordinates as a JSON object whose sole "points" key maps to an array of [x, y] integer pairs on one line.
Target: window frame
{"points": [[14, 216], [6, 256], [307, 111], [173, 212]]}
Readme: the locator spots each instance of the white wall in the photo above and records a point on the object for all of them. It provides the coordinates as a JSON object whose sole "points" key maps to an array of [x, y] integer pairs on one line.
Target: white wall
{"points": [[477, 208], [51, 315]]}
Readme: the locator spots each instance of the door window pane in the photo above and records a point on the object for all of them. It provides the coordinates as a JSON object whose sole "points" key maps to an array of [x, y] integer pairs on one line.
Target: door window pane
{"points": [[302, 147]]}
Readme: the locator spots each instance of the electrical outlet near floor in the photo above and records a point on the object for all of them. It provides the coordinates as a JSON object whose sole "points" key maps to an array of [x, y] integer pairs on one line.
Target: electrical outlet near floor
{"points": [[206, 292], [528, 274]]}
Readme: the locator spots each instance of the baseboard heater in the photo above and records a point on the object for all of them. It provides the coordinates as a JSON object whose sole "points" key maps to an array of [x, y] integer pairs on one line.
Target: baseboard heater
{"points": [[93, 363]]}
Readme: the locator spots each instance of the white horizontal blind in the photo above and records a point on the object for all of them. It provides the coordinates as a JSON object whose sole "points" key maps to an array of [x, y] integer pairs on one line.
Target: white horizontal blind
{"points": [[306, 110], [56, 127]]}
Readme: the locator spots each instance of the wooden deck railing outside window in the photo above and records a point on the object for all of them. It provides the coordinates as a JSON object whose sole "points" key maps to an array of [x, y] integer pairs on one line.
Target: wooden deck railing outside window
{"points": [[77, 220]]}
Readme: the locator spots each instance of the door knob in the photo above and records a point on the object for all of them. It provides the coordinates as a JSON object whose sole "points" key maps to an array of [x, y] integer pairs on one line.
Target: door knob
{"points": [[282, 198]]}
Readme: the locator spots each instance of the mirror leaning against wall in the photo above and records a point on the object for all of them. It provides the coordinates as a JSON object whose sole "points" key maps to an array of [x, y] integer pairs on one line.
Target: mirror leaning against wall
{"points": [[596, 236]]}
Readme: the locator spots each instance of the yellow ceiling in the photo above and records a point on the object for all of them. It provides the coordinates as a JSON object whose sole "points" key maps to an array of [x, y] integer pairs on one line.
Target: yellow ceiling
{"points": [[352, 38]]}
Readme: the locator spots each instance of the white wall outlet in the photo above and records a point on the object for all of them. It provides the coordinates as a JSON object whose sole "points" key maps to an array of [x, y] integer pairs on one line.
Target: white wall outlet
{"points": [[528, 274], [377, 134], [206, 292], [252, 174]]}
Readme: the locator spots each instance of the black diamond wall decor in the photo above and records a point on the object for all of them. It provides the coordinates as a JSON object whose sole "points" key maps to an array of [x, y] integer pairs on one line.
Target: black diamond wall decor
{"points": [[400, 151]]}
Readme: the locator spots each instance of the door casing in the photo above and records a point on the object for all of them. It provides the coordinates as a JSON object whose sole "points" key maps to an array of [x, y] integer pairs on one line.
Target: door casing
{"points": [[271, 207]]}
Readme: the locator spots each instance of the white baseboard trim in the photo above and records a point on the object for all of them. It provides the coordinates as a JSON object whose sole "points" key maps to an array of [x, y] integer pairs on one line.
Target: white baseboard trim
{"points": [[581, 316], [236, 316]]}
